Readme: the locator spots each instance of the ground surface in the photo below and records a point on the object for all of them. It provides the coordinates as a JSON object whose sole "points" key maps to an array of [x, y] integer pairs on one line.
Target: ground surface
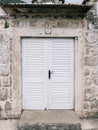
{"points": [[50, 120]]}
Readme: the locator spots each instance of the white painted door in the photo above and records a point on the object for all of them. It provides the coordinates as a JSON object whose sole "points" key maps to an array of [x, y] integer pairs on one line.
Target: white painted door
{"points": [[34, 73], [62, 69], [48, 68]]}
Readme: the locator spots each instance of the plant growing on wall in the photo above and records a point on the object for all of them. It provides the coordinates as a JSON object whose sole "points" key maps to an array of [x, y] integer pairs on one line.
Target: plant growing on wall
{"points": [[6, 24]]}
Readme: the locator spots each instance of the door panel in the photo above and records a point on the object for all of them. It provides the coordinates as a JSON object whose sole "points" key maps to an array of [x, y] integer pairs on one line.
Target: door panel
{"points": [[61, 93], [34, 73]]}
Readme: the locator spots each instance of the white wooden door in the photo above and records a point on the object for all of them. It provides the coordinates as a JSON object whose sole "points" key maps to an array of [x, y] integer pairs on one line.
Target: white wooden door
{"points": [[62, 70], [34, 78], [48, 68]]}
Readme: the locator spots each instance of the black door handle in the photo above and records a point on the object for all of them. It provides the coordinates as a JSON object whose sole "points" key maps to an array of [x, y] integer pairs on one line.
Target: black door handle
{"points": [[49, 74]]}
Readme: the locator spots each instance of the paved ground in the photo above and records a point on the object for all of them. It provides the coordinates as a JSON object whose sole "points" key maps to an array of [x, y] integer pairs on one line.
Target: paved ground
{"points": [[48, 117], [89, 124], [57, 116], [9, 124]]}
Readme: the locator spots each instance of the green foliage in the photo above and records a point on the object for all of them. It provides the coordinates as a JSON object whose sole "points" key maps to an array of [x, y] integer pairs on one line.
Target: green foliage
{"points": [[6, 24], [11, 1]]}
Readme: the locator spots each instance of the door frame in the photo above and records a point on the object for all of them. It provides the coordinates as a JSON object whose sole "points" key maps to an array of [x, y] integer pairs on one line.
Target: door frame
{"points": [[17, 72]]}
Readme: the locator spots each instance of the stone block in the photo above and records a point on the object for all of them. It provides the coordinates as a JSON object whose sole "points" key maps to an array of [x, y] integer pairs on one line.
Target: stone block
{"points": [[33, 23], [86, 105], [0, 108], [91, 61], [10, 44], [10, 57], [95, 71], [62, 23], [0, 83], [91, 37], [13, 24], [96, 81], [4, 58], [4, 47], [11, 69], [1, 37], [20, 23], [4, 94], [4, 70], [87, 72], [0, 94], [6, 82], [88, 82], [94, 104], [88, 94], [8, 106], [0, 111]]}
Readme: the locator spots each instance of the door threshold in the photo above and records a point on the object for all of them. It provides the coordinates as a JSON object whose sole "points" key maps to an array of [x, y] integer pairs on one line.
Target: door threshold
{"points": [[49, 117]]}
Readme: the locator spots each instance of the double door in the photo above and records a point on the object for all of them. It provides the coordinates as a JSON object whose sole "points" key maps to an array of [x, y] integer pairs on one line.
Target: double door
{"points": [[47, 73]]}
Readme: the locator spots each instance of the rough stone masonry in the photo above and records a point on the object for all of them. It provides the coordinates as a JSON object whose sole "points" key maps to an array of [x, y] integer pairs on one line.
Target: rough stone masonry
{"points": [[5, 71], [88, 33], [91, 64]]}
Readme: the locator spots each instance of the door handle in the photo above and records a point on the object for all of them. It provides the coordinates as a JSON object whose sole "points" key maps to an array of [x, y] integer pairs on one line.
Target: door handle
{"points": [[49, 74]]}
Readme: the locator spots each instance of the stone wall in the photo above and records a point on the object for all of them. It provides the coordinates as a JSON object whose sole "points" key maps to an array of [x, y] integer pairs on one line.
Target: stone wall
{"points": [[91, 73], [86, 52], [6, 78], [11, 79], [91, 65]]}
